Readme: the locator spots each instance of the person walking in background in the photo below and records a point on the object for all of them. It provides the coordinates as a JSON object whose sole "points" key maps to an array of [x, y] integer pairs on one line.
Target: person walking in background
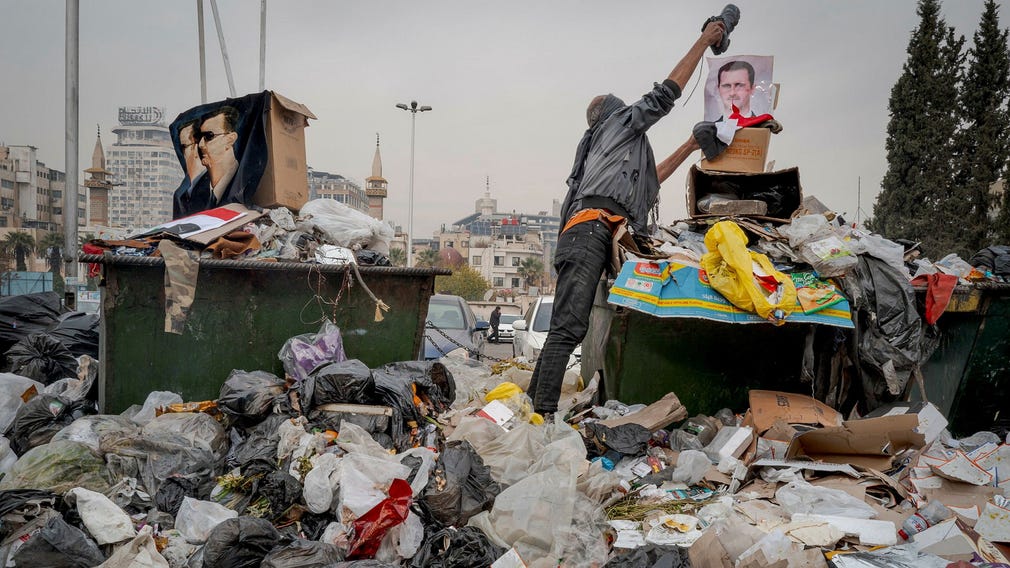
{"points": [[495, 320]]}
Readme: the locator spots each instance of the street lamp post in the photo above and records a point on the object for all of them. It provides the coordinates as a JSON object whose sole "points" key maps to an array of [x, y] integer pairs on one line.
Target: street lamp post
{"points": [[413, 109]]}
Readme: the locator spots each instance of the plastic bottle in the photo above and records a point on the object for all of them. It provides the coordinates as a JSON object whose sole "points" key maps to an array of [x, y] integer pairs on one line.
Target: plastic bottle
{"points": [[926, 517]]}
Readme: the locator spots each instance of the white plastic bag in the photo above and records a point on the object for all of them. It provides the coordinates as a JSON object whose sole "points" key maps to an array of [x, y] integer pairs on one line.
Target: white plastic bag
{"points": [[801, 497], [320, 483], [364, 483], [11, 388], [7, 456], [692, 466], [141, 552], [341, 225], [197, 518], [402, 541], [155, 400], [106, 522]]}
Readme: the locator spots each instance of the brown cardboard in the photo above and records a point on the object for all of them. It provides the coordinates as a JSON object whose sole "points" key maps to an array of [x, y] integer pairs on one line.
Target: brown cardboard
{"points": [[750, 185], [769, 407], [747, 153], [285, 180], [868, 442], [708, 552], [961, 494], [659, 414]]}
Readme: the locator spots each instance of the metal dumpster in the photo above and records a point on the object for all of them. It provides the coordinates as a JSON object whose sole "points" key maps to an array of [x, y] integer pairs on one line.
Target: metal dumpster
{"points": [[709, 365], [242, 314], [968, 376]]}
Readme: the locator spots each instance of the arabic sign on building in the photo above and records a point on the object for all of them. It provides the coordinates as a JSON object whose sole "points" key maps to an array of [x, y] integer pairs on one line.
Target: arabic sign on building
{"points": [[142, 116]]}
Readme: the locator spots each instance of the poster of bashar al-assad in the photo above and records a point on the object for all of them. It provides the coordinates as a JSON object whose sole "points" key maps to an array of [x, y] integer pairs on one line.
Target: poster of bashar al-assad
{"points": [[222, 148], [743, 81]]}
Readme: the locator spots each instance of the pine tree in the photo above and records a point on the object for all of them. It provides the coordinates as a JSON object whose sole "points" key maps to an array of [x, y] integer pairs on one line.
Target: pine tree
{"points": [[917, 186], [982, 142]]}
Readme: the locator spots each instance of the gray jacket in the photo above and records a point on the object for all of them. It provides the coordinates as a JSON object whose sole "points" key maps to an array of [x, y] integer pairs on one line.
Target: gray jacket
{"points": [[619, 172]]}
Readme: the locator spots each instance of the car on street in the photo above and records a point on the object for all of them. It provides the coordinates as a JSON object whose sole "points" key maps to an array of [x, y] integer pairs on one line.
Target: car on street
{"points": [[531, 331], [452, 325], [505, 331]]}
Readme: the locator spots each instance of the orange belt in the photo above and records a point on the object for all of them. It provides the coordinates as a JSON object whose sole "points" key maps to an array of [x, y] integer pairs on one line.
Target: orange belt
{"points": [[602, 215]]}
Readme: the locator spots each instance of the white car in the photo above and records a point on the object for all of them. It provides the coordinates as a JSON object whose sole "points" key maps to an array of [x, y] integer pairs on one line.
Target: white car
{"points": [[531, 331], [505, 331]]}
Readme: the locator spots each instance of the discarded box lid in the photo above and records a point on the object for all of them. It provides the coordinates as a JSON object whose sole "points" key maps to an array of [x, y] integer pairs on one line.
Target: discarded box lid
{"points": [[870, 442], [769, 406], [931, 420], [747, 153]]}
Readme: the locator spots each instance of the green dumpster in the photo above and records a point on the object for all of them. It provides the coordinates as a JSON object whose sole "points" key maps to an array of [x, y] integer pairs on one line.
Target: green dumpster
{"points": [[241, 316], [968, 376], [709, 365]]}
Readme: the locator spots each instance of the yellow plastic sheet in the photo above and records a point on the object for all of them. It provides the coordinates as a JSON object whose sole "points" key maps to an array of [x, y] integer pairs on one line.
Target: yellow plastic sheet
{"points": [[731, 271]]}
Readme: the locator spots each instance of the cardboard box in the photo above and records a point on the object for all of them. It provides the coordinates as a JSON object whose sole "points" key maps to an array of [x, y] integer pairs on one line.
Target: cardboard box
{"points": [[931, 420], [868, 442], [783, 184], [747, 153], [767, 407], [285, 181]]}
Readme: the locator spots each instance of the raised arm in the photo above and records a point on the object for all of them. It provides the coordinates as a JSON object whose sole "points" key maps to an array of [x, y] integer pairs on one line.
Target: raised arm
{"points": [[685, 67], [666, 168]]}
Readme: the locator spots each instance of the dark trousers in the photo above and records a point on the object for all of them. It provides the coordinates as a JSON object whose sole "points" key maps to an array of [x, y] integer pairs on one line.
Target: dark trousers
{"points": [[582, 255]]}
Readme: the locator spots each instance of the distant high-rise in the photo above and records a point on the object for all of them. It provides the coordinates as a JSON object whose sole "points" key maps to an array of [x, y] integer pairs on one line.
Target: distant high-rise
{"points": [[143, 160], [376, 185], [324, 185]]}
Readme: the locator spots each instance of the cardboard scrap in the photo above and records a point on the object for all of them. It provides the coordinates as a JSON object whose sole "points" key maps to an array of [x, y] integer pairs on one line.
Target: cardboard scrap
{"points": [[931, 420], [767, 407], [962, 468], [659, 414], [869, 531], [868, 442], [994, 522]]}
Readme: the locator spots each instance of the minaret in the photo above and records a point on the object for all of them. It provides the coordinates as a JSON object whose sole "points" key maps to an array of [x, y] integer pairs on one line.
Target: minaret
{"points": [[486, 206], [98, 184], [375, 184]]}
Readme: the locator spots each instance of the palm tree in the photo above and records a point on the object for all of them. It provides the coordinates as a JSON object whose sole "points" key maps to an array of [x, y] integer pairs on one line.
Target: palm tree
{"points": [[20, 245], [531, 269], [397, 257], [427, 258]]}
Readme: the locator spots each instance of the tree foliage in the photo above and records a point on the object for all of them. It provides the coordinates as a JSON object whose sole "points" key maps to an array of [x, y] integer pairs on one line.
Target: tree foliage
{"points": [[917, 191], [465, 282], [531, 269], [397, 257], [19, 245], [982, 142], [427, 258]]}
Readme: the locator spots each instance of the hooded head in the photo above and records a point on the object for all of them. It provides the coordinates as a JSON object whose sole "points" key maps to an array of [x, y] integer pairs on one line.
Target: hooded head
{"points": [[601, 107]]}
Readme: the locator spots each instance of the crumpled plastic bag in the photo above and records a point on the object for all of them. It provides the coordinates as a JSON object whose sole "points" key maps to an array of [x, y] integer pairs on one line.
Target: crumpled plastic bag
{"points": [[58, 467], [731, 271], [154, 401], [11, 388], [58, 545], [347, 381], [90, 429], [303, 554], [249, 395], [453, 547], [460, 486], [105, 521], [628, 439], [42, 417], [651, 555], [801, 497], [141, 552], [303, 353], [692, 466], [364, 483], [321, 483], [339, 224], [402, 541], [196, 519], [241, 542], [41, 357], [371, 528]]}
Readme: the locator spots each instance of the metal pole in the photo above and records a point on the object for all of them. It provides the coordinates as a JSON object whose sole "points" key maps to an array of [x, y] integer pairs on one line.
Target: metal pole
{"points": [[70, 143], [410, 208], [263, 43], [203, 52], [224, 48]]}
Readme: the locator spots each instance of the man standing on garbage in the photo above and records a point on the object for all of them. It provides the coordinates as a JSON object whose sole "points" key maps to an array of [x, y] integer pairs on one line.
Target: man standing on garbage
{"points": [[614, 178]]}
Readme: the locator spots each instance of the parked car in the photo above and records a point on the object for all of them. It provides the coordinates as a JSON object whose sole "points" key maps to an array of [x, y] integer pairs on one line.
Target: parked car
{"points": [[531, 331], [505, 331], [451, 325]]}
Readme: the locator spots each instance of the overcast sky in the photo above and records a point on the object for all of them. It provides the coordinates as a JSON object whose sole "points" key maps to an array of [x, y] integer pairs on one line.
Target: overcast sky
{"points": [[508, 81]]}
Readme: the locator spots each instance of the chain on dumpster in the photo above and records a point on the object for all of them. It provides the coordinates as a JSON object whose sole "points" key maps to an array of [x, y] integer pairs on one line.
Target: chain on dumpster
{"points": [[469, 350]]}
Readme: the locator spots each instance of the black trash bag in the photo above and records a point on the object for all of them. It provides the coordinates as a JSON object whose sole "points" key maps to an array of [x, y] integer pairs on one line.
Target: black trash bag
{"points": [[303, 554], [331, 420], [257, 451], [394, 386], [995, 259], [37, 421], [171, 493], [17, 499], [249, 396], [651, 555], [41, 357], [363, 564], [280, 489], [58, 545], [78, 332], [348, 381], [456, 548], [460, 486], [365, 257], [310, 526], [241, 542], [25, 314], [627, 439]]}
